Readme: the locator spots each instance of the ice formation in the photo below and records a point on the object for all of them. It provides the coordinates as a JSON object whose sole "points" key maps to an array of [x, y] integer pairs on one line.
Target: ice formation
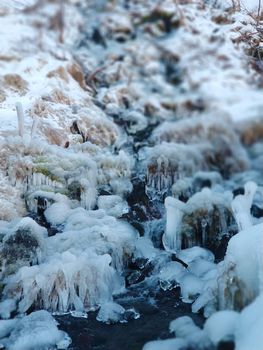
{"points": [[241, 206], [174, 213], [242, 271], [35, 331], [23, 244], [81, 267], [203, 220]]}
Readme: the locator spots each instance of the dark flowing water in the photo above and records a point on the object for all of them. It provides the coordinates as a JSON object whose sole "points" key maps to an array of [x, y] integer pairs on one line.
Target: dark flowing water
{"points": [[157, 309]]}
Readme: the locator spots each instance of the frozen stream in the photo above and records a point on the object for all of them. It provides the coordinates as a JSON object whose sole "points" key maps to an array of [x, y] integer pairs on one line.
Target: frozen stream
{"points": [[131, 186]]}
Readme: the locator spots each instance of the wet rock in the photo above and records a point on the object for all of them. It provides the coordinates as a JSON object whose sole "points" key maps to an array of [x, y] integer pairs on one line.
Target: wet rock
{"points": [[98, 38], [226, 345], [238, 191], [207, 228], [130, 314], [163, 17], [173, 72], [139, 275], [142, 207], [256, 211]]}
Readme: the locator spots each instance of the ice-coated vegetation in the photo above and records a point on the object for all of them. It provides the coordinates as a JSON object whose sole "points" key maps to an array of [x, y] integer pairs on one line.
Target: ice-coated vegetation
{"points": [[131, 171]]}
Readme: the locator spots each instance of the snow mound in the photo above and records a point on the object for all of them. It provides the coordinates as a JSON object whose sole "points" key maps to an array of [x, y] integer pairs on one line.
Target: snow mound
{"points": [[37, 331]]}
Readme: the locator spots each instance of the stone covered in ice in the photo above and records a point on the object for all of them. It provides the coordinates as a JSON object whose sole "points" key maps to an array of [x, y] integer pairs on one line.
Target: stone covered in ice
{"points": [[241, 275], [7, 307], [171, 274], [113, 205], [183, 326], [23, 245], [191, 287], [203, 220], [35, 331], [191, 254], [144, 249], [110, 312], [57, 213]]}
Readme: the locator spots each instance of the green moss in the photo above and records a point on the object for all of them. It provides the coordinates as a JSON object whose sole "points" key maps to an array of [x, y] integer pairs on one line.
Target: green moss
{"points": [[45, 171]]}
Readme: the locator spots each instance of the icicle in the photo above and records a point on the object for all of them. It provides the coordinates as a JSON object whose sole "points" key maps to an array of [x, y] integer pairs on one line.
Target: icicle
{"points": [[21, 119], [88, 195], [34, 128], [241, 205], [74, 109], [223, 223], [174, 214], [204, 225]]}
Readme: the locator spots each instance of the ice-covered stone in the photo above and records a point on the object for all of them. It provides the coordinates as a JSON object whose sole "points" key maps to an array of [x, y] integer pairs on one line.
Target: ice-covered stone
{"points": [[203, 220], [171, 275], [35, 331], [110, 313], [23, 245], [183, 326], [240, 279], [113, 205]]}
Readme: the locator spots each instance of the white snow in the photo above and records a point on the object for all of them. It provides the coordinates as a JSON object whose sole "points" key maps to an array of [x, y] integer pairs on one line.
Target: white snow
{"points": [[221, 326], [248, 332]]}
